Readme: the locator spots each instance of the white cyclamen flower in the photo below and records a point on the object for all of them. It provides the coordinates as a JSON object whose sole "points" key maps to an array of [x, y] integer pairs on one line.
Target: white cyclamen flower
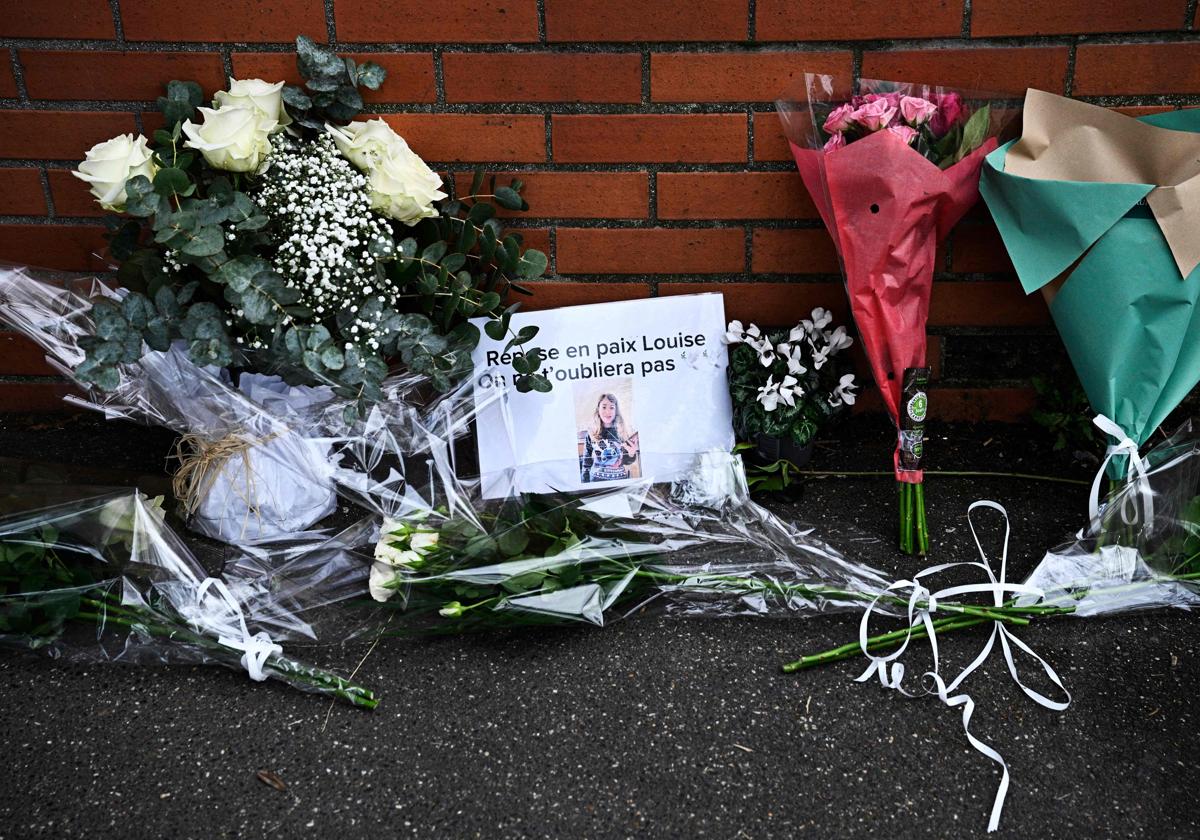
{"points": [[366, 144], [766, 353], [793, 354], [821, 318], [735, 333], [769, 394], [844, 391], [838, 340], [263, 97], [111, 163], [820, 355], [232, 139], [404, 188]]}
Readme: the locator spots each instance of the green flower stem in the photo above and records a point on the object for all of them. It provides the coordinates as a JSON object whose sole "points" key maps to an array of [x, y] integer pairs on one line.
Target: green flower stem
{"points": [[293, 671], [951, 473]]}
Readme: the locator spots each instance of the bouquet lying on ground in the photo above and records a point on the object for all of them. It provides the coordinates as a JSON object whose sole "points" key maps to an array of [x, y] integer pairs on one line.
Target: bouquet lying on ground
{"points": [[1093, 207], [105, 579], [890, 172], [273, 232], [1112, 566]]}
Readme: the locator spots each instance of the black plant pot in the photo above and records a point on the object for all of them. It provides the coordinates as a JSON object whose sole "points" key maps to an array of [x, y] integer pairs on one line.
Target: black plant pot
{"points": [[769, 449]]}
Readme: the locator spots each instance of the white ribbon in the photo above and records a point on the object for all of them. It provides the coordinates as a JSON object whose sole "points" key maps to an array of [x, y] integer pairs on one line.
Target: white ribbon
{"points": [[256, 649], [891, 672], [1137, 474]]}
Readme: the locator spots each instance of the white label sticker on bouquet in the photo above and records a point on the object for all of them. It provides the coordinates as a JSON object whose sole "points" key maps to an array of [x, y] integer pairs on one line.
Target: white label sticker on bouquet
{"points": [[640, 388]]}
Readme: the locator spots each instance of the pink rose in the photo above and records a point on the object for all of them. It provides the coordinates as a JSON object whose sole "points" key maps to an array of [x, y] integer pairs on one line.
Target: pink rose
{"points": [[838, 119], [916, 110], [950, 109], [892, 99], [908, 135], [835, 142], [874, 115]]}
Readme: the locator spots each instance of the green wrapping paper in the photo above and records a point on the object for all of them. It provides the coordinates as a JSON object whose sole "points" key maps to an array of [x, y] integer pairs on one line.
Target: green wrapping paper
{"points": [[1115, 260]]}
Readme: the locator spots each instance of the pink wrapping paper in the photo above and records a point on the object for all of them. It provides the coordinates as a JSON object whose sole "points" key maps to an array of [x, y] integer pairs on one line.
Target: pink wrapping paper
{"points": [[887, 209]]}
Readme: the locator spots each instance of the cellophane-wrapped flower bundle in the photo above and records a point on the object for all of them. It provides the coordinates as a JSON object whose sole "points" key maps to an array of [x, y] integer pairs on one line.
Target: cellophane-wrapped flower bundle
{"points": [[274, 256], [105, 579], [891, 170]]}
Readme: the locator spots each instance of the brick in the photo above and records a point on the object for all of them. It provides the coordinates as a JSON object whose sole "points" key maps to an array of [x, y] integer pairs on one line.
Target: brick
{"points": [[72, 197], [543, 77], [819, 20], [56, 19], [21, 357], [71, 74], [637, 20], [473, 137], [979, 249], [985, 304], [661, 138], [989, 70], [536, 238], [1054, 17], [1102, 69], [650, 251], [59, 135], [803, 251], [35, 397], [8, 82], [65, 247], [769, 141], [418, 21], [21, 193], [1143, 110], [741, 77], [574, 195], [551, 295], [965, 405], [771, 304], [225, 20], [409, 75], [733, 195]]}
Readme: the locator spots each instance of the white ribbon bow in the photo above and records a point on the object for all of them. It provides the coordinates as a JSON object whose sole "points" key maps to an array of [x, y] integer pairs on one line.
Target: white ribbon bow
{"points": [[1137, 474], [256, 649], [891, 672]]}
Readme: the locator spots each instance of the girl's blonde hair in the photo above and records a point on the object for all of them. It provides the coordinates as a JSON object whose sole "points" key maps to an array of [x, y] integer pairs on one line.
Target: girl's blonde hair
{"points": [[597, 428]]}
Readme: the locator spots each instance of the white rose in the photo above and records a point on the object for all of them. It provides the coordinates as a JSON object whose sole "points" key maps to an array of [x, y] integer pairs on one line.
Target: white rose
{"points": [[404, 188], [387, 553], [111, 163], [266, 99], [366, 143], [233, 139], [423, 543], [381, 575]]}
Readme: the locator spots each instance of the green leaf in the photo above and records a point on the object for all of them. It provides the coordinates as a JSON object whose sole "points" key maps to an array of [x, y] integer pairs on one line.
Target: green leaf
{"points": [[477, 182], [533, 264], [140, 197], [434, 252], [205, 242], [495, 330], [332, 358], [454, 262], [180, 103], [510, 199], [370, 75], [480, 213], [296, 99], [975, 131], [513, 541], [317, 61], [169, 181], [138, 310]]}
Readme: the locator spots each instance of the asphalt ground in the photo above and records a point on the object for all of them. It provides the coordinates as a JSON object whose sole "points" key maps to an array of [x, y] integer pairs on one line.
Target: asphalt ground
{"points": [[650, 727]]}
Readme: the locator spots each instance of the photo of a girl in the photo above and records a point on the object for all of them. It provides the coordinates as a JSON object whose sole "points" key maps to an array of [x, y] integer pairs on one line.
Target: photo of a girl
{"points": [[608, 445]]}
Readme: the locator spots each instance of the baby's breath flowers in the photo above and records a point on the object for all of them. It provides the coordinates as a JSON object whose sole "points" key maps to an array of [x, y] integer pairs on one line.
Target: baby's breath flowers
{"points": [[332, 247]]}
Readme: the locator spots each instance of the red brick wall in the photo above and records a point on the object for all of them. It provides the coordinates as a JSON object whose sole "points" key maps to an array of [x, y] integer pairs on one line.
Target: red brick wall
{"points": [[644, 129]]}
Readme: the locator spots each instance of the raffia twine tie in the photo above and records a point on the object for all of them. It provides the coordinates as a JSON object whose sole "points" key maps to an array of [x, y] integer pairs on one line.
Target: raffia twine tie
{"points": [[200, 462]]}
